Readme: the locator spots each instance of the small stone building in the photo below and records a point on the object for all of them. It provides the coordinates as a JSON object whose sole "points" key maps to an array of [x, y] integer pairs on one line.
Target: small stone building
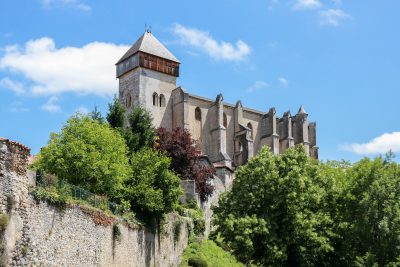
{"points": [[229, 135]]}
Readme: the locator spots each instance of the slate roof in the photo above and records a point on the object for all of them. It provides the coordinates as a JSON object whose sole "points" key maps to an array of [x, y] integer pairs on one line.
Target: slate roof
{"points": [[147, 43]]}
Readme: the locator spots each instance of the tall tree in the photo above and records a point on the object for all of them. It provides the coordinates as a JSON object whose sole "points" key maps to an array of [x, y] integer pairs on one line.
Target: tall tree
{"points": [[153, 189], [89, 154], [116, 114], [186, 159], [140, 132], [96, 115], [275, 214]]}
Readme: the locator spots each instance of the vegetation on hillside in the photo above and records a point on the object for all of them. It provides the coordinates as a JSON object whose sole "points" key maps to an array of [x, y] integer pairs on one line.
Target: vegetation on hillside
{"points": [[291, 210], [207, 253]]}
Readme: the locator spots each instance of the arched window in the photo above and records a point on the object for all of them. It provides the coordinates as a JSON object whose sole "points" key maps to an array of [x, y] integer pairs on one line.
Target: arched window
{"points": [[225, 120], [155, 99], [197, 114], [250, 129], [162, 100]]}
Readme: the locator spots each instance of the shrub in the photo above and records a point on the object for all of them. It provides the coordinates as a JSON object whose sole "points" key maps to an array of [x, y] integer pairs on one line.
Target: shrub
{"points": [[197, 262], [52, 195]]}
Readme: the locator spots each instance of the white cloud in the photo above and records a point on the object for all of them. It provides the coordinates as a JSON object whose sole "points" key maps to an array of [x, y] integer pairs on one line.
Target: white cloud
{"points": [[15, 86], [51, 105], [283, 81], [333, 17], [380, 144], [257, 85], [307, 4], [78, 4], [84, 70], [206, 43]]}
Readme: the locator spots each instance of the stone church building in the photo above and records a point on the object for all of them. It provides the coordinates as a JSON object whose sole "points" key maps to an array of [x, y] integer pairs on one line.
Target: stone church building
{"points": [[229, 135]]}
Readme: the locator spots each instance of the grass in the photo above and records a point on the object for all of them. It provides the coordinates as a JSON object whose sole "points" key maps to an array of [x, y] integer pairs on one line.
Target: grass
{"points": [[209, 252]]}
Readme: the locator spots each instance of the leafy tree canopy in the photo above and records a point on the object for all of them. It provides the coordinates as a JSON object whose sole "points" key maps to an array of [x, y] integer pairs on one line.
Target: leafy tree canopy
{"points": [[186, 161], [153, 189], [291, 210], [140, 131], [116, 114], [89, 154]]}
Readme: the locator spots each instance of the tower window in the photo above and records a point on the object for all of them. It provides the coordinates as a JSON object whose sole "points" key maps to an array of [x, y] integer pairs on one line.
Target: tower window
{"points": [[162, 100], [129, 101], [155, 99], [197, 114]]}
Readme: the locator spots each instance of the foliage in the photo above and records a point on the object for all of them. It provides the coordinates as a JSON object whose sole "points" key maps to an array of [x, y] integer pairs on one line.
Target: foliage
{"points": [[116, 114], [276, 213], [88, 154], [191, 210], [209, 253], [371, 214], [4, 220], [293, 211], [186, 160], [152, 189], [55, 196], [140, 131]]}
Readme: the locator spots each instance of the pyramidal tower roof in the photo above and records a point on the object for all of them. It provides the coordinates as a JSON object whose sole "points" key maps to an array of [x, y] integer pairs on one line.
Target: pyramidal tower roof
{"points": [[149, 44]]}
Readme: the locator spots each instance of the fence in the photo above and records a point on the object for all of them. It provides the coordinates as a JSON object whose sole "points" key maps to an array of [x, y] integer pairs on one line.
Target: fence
{"points": [[78, 193]]}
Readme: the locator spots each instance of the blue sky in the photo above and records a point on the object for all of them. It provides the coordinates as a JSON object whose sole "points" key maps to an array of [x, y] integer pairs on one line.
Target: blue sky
{"points": [[340, 59]]}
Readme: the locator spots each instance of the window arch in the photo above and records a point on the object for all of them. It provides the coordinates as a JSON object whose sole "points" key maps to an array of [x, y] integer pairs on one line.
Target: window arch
{"points": [[197, 114], [225, 120], [162, 100], [250, 130], [155, 99], [129, 101]]}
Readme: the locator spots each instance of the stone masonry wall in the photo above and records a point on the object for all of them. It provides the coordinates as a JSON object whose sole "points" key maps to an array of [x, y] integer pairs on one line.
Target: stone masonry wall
{"points": [[41, 235]]}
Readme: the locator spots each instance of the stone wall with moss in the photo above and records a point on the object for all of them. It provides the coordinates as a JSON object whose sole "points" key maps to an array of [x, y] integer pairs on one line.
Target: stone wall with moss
{"points": [[38, 234]]}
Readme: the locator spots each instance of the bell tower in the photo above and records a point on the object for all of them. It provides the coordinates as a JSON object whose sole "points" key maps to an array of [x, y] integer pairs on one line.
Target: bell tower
{"points": [[147, 74]]}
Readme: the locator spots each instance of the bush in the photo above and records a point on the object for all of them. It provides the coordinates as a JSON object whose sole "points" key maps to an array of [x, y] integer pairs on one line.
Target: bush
{"points": [[52, 195], [88, 154], [197, 262]]}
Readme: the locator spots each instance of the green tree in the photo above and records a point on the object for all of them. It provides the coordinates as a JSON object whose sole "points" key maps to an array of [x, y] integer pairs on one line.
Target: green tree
{"points": [[152, 189], [116, 114], [89, 154], [277, 213], [140, 133], [372, 213]]}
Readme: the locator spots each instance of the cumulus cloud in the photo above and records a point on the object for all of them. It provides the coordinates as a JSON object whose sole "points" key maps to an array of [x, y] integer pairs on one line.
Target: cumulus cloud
{"points": [[84, 70], [333, 17], [380, 144], [51, 105], [66, 3], [307, 4], [14, 86], [257, 85], [205, 42], [283, 81]]}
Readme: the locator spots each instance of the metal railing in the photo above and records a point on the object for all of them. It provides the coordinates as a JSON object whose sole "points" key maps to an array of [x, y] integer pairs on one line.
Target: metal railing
{"points": [[78, 193]]}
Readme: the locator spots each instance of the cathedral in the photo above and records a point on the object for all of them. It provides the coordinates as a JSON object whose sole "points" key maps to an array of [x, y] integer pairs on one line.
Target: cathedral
{"points": [[228, 135]]}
